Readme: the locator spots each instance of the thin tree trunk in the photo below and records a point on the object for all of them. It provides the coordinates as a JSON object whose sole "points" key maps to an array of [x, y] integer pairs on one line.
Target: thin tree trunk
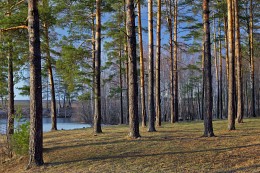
{"points": [[231, 79], [252, 64], [121, 87], [227, 59], [93, 63], [220, 75], [151, 125], [216, 65], [169, 21], [132, 73], [203, 81], [127, 66], [97, 91], [240, 110], [144, 117], [36, 131], [49, 67], [208, 126], [158, 64], [175, 69]]}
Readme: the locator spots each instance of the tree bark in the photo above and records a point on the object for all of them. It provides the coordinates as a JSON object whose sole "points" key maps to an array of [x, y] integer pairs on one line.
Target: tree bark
{"points": [[151, 125], [97, 91], [121, 87], [144, 117], [227, 59], [208, 126], [36, 131], [231, 71], [240, 110], [132, 72], [158, 64]]}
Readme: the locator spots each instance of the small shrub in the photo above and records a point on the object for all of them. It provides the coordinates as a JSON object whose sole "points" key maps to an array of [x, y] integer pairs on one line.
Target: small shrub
{"points": [[20, 138]]}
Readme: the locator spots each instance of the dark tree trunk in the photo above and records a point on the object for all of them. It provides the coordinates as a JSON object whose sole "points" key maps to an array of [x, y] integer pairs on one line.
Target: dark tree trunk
{"points": [[132, 72], [36, 132], [121, 88], [208, 127], [231, 69], [220, 76], [151, 125], [10, 126], [175, 69], [97, 91]]}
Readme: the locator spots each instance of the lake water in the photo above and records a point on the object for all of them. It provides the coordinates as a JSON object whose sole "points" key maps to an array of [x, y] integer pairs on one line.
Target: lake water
{"points": [[62, 124]]}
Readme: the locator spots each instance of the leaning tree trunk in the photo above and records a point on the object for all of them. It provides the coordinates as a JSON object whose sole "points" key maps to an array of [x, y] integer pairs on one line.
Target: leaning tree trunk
{"points": [[140, 34], [151, 125], [175, 68], [97, 91], [240, 105], [252, 64], [231, 71], [208, 126], [132, 71], [158, 64], [36, 131]]}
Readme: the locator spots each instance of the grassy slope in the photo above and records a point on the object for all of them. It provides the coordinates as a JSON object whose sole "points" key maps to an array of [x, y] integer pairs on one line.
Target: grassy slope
{"points": [[174, 148]]}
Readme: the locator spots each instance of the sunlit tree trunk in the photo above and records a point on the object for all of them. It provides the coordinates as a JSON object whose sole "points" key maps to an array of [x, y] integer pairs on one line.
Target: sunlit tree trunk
{"points": [[151, 125], [252, 63], [208, 126], [141, 65], [97, 91], [132, 83], [36, 131], [240, 104], [227, 59], [158, 64], [231, 71]]}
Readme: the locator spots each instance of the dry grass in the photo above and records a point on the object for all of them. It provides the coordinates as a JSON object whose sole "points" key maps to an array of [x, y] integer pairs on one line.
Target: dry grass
{"points": [[173, 148]]}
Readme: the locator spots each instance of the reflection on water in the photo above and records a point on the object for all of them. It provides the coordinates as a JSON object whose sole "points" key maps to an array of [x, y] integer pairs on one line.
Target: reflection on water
{"points": [[62, 124]]}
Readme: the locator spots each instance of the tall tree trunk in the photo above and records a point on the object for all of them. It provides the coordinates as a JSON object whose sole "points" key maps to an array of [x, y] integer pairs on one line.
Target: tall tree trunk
{"points": [[208, 126], [240, 110], [144, 117], [121, 87], [220, 75], [132, 83], [175, 69], [169, 21], [151, 125], [216, 64], [252, 64], [97, 91], [231, 71], [126, 66], [203, 80], [93, 62], [36, 131], [49, 67], [158, 64], [227, 59]]}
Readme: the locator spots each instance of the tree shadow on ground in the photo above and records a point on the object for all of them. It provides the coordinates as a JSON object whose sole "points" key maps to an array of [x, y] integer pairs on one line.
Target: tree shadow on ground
{"points": [[137, 154]]}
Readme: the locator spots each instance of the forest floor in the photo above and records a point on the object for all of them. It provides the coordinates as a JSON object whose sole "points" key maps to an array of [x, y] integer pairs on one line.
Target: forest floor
{"points": [[173, 148]]}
